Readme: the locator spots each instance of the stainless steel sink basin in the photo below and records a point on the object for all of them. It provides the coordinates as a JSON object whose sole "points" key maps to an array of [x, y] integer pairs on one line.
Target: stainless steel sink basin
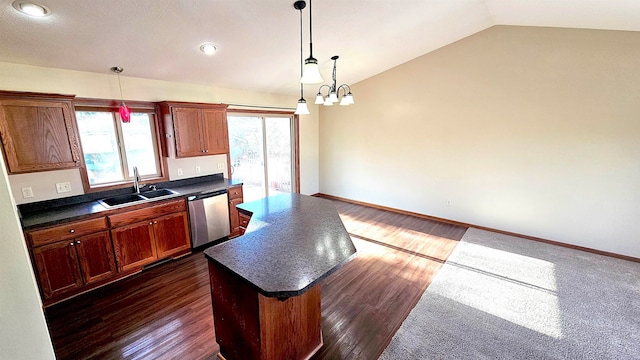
{"points": [[127, 199], [157, 193], [121, 199]]}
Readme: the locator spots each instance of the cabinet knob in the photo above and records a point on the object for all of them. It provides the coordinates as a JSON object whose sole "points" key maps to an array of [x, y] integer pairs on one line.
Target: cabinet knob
{"points": [[72, 231], [150, 222], [206, 151], [155, 222], [71, 243], [78, 242]]}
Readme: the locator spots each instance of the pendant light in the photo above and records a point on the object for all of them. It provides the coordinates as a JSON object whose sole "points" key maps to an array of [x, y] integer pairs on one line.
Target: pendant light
{"points": [[302, 108], [311, 73], [125, 112]]}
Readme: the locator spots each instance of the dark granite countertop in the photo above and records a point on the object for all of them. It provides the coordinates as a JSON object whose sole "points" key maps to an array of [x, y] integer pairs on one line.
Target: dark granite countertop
{"points": [[292, 242], [52, 212]]}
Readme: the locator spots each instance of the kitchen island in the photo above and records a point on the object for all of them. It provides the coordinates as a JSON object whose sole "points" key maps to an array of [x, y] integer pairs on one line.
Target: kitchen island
{"points": [[265, 285]]}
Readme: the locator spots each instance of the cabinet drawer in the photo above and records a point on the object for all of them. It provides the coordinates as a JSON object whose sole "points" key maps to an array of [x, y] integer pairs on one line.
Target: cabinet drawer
{"points": [[130, 217], [244, 219], [67, 231], [235, 192]]}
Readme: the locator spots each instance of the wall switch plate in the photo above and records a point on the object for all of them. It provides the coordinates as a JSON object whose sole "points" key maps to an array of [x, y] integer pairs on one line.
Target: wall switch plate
{"points": [[449, 202], [179, 172], [197, 169], [220, 166], [27, 192], [63, 187]]}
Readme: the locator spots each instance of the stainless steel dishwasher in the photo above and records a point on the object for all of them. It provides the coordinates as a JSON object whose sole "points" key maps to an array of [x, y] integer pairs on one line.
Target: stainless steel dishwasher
{"points": [[208, 217]]}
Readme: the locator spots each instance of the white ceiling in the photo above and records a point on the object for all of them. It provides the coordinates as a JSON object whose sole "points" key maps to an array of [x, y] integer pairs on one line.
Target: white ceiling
{"points": [[258, 40]]}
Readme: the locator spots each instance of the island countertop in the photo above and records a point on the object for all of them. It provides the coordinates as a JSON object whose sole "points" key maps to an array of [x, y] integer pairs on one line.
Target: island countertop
{"points": [[292, 242]]}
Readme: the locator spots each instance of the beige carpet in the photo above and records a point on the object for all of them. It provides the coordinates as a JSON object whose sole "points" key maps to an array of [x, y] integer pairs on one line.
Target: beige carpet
{"points": [[502, 297]]}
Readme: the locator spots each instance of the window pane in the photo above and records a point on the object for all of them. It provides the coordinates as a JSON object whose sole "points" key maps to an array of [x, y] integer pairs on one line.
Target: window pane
{"points": [[100, 146], [138, 144], [246, 152], [278, 134]]}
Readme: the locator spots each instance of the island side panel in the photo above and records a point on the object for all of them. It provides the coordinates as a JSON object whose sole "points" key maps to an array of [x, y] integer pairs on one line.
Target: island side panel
{"points": [[235, 314], [291, 328]]}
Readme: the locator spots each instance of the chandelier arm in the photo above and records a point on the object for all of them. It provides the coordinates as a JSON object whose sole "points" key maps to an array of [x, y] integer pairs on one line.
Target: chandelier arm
{"points": [[320, 89]]}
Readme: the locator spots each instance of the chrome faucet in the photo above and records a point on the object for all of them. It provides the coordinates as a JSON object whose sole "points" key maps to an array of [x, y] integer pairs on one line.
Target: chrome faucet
{"points": [[136, 180]]}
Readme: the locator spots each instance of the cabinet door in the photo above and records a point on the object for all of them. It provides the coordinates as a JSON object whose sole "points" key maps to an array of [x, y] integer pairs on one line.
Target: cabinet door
{"points": [[215, 130], [172, 234], [38, 135], [134, 245], [96, 257], [234, 217], [58, 269], [189, 133]]}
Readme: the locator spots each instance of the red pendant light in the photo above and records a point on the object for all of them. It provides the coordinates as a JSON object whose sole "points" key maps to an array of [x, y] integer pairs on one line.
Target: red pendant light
{"points": [[125, 112]]}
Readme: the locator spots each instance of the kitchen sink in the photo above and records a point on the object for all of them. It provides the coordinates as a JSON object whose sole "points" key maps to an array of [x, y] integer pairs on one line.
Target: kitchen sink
{"points": [[157, 193], [121, 200]]}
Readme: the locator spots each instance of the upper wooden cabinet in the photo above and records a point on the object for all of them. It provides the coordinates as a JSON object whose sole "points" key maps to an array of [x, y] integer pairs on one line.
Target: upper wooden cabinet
{"points": [[38, 132], [194, 129]]}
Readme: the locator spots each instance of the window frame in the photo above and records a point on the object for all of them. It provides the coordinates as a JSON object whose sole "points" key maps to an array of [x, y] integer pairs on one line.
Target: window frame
{"points": [[111, 106], [295, 139]]}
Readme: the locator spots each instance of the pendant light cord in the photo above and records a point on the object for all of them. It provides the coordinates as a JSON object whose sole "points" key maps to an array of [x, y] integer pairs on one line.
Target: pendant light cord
{"points": [[310, 31], [120, 86], [301, 56]]}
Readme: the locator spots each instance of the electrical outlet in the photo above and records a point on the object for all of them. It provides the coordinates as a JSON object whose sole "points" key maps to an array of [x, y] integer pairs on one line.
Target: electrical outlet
{"points": [[63, 187], [27, 192], [449, 202], [220, 166], [197, 169], [179, 172]]}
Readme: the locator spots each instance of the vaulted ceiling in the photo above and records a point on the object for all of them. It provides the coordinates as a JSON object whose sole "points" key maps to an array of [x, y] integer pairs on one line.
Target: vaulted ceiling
{"points": [[259, 40]]}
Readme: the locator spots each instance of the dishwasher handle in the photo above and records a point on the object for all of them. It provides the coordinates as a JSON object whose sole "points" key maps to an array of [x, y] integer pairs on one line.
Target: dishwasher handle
{"points": [[207, 194]]}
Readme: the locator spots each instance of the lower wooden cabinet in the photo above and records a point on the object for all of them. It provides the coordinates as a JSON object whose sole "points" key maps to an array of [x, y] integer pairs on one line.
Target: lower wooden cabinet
{"points": [[235, 198], [134, 245], [143, 236], [67, 265], [76, 256]]}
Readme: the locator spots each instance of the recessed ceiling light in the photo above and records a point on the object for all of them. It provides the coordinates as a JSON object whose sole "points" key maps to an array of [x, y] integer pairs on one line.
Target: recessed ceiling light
{"points": [[31, 8], [208, 49]]}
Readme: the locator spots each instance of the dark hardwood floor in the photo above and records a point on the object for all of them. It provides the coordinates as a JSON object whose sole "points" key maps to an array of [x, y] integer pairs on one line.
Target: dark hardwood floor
{"points": [[165, 312]]}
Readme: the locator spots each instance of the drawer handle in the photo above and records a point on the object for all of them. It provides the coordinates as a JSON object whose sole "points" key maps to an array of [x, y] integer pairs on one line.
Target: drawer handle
{"points": [[72, 231]]}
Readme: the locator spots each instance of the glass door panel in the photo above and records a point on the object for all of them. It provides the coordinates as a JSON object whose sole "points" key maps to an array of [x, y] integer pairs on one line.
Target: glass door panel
{"points": [[246, 144], [278, 140]]}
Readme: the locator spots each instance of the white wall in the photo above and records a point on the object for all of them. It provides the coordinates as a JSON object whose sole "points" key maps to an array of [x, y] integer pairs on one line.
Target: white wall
{"points": [[23, 330], [530, 130]]}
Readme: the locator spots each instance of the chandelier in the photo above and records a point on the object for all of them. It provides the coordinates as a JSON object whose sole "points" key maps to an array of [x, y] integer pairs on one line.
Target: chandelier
{"points": [[333, 91]]}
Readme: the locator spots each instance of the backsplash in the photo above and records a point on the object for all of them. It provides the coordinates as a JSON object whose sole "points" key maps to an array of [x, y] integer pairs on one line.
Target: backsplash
{"points": [[42, 185]]}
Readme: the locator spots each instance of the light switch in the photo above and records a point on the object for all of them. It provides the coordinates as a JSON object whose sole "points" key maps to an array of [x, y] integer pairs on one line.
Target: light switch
{"points": [[220, 166]]}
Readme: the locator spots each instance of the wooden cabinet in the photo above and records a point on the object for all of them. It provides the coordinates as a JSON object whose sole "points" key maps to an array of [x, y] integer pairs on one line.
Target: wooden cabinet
{"points": [[72, 255], [143, 236], [235, 198], [38, 132], [244, 221], [194, 129]]}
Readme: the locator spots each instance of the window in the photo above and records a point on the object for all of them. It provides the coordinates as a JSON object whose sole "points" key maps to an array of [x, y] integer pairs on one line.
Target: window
{"points": [[111, 149], [262, 153]]}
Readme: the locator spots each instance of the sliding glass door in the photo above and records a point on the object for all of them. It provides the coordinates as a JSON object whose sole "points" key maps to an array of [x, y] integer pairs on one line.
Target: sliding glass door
{"points": [[261, 151]]}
